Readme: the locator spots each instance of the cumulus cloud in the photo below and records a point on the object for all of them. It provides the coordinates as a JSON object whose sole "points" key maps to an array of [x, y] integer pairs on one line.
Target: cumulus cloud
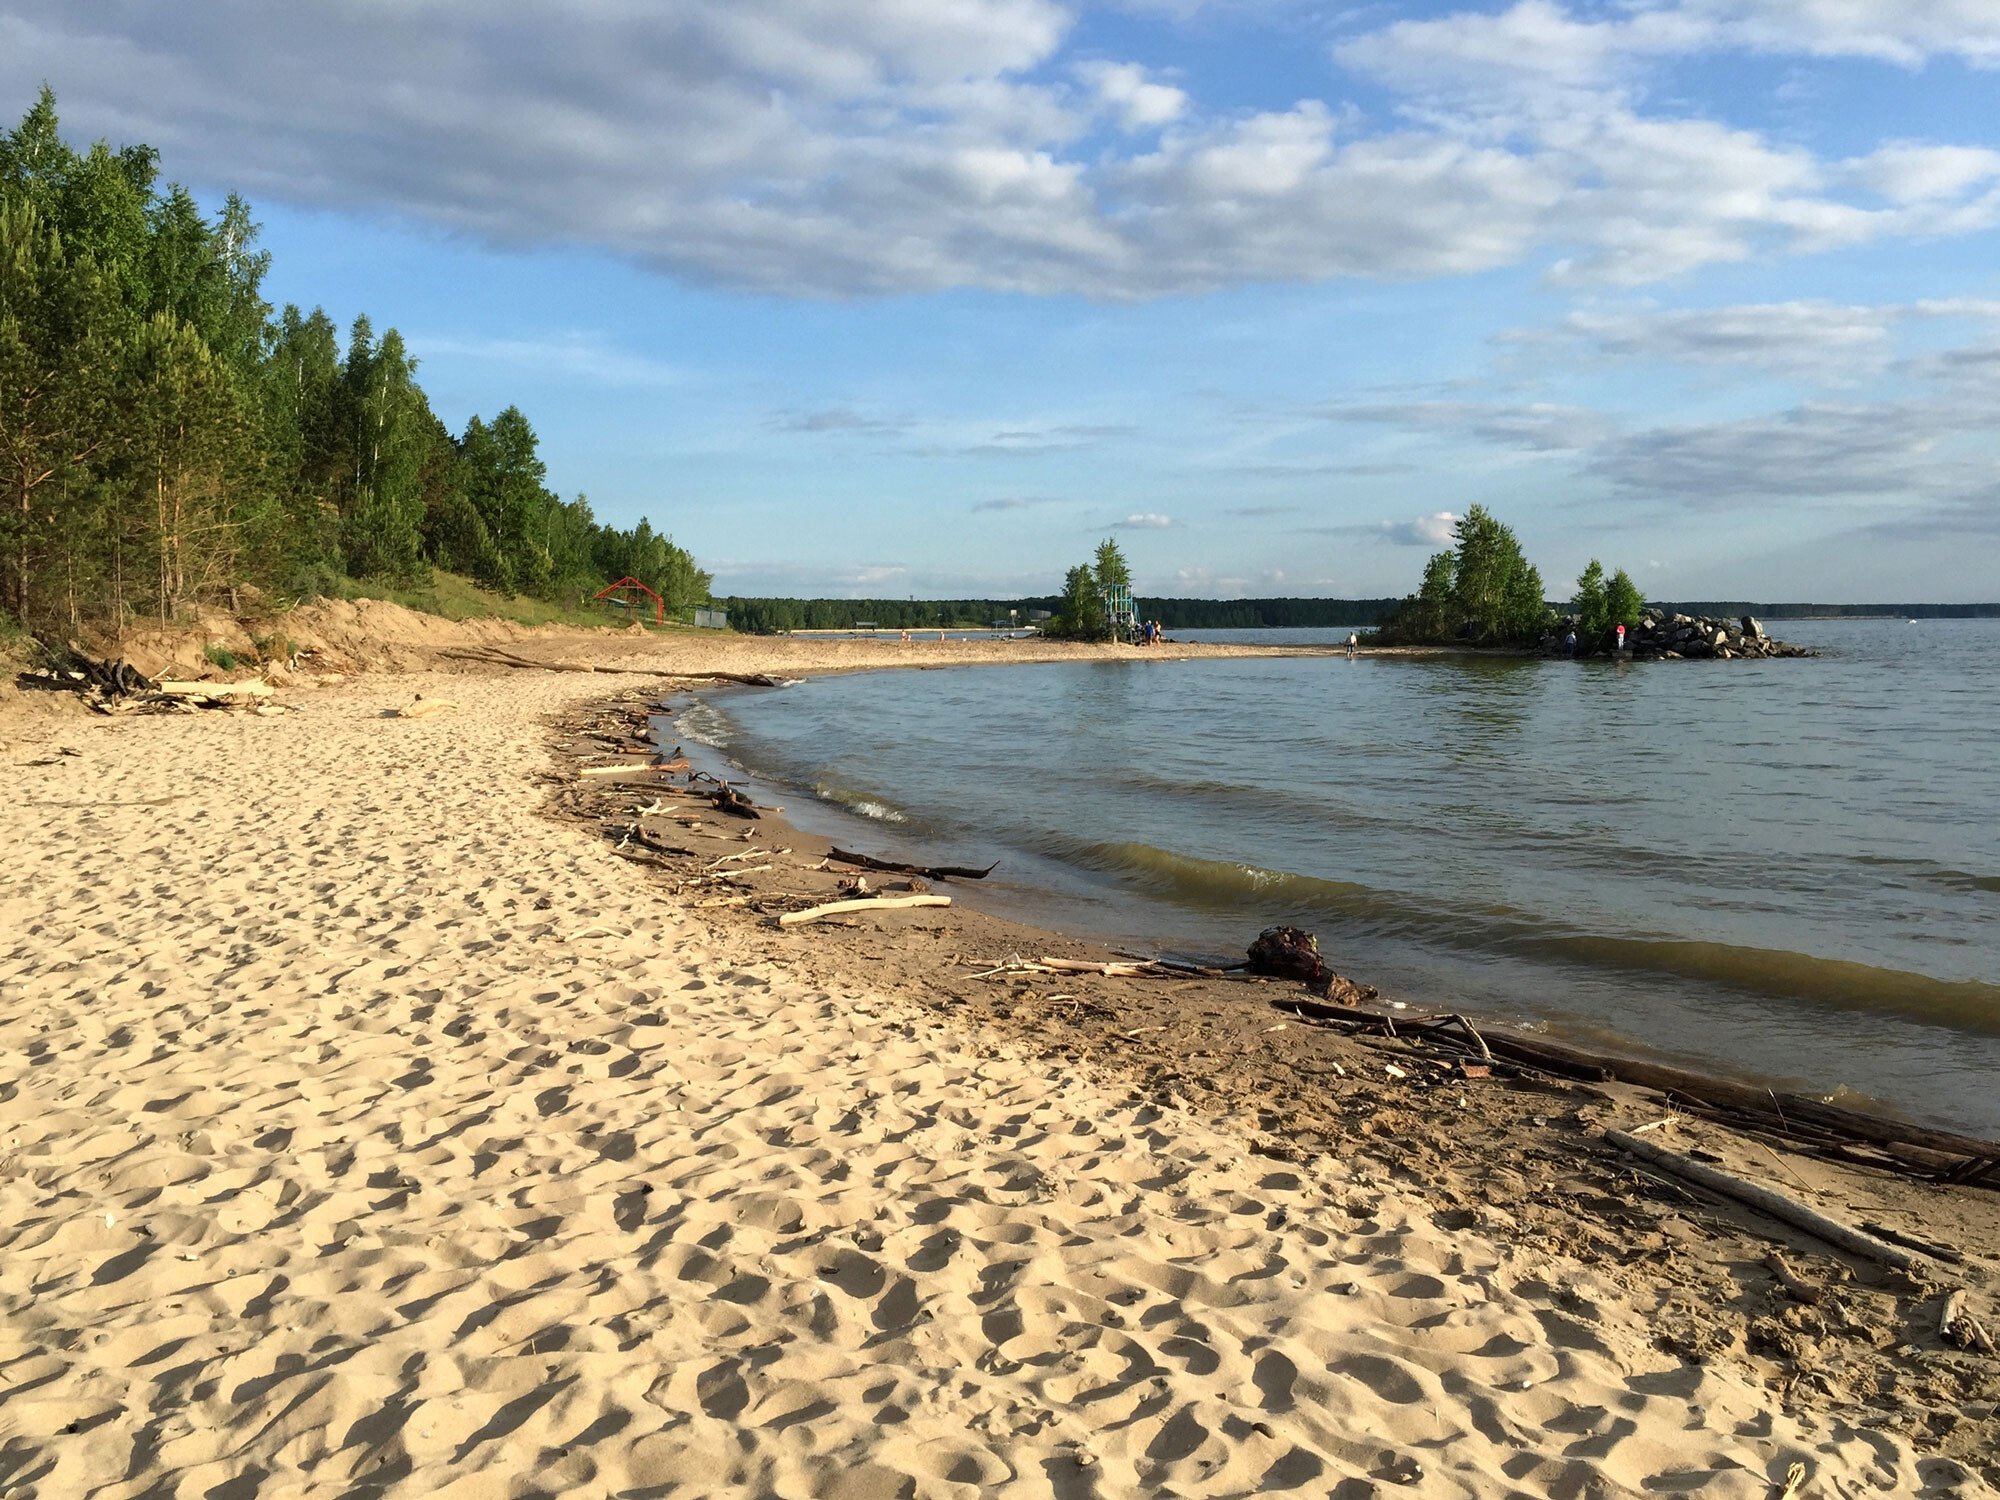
{"points": [[1433, 530], [1137, 100], [858, 147], [1144, 521]]}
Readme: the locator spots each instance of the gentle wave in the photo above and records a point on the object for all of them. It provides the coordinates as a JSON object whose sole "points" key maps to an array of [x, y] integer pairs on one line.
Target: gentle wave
{"points": [[862, 804], [1222, 885], [704, 725]]}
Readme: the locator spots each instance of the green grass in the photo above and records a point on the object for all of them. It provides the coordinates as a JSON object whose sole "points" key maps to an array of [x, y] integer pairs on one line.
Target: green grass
{"points": [[456, 597], [222, 657]]}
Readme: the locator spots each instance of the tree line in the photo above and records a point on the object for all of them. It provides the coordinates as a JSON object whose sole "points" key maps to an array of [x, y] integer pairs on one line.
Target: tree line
{"points": [[168, 439]]}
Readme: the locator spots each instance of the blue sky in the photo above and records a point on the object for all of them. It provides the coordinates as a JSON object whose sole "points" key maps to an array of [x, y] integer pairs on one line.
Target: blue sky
{"points": [[927, 296]]}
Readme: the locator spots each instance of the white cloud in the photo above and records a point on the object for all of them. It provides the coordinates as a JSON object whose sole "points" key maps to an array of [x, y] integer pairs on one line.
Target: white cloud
{"points": [[857, 147], [1138, 101], [1818, 342], [1144, 521], [1909, 173], [1433, 530]]}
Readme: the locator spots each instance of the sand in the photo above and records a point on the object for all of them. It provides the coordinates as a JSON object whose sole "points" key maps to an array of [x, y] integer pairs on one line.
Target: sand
{"points": [[363, 1131]]}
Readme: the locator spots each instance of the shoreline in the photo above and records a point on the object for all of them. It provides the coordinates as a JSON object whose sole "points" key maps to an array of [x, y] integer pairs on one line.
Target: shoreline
{"points": [[1259, 1068], [440, 1144]]}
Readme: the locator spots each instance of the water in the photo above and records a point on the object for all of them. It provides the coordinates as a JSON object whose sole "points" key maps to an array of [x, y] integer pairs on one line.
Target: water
{"points": [[1789, 868]]}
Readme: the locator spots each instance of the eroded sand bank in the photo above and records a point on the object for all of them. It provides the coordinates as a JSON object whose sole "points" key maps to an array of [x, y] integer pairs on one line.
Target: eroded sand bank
{"points": [[362, 1131]]}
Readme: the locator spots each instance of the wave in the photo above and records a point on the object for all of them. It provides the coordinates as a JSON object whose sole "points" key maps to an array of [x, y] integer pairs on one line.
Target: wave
{"points": [[1485, 928], [863, 804], [704, 725]]}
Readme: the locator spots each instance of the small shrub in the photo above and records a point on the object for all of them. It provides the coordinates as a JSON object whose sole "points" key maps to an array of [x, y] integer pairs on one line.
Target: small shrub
{"points": [[222, 657]]}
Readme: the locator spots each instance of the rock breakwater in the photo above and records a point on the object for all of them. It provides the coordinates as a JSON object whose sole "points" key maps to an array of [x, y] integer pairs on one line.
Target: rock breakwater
{"points": [[1673, 637]]}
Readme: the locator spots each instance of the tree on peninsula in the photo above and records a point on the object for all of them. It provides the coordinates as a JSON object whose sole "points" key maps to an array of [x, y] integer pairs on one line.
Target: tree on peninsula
{"points": [[1482, 591], [1600, 606], [1084, 615]]}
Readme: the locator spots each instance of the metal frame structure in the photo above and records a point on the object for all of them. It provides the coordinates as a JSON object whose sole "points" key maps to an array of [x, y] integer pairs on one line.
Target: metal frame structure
{"points": [[626, 591]]}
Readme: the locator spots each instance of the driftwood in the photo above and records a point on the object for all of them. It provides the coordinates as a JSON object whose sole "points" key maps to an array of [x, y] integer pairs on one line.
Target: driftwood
{"points": [[1811, 1125], [895, 867], [728, 799], [494, 656], [1957, 1326], [78, 668], [746, 679], [1770, 1202], [253, 688], [423, 708], [868, 903], [1087, 966]]}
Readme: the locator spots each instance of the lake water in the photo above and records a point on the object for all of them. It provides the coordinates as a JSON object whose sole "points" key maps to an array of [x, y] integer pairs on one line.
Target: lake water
{"points": [[1790, 868]]}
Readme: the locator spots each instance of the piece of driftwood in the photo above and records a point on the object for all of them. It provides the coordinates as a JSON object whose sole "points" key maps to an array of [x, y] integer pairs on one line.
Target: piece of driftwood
{"points": [[1119, 970], [1957, 1326], [1904, 1237], [1770, 1202], [1795, 1285], [727, 799], [630, 768], [897, 867], [746, 679], [423, 708], [252, 688], [868, 903]]}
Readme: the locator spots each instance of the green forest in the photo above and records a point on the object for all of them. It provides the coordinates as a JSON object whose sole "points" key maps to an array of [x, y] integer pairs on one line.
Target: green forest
{"points": [[168, 440], [774, 616]]}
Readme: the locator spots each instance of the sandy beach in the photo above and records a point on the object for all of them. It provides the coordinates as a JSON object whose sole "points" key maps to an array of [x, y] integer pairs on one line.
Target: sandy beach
{"points": [[364, 1130]]}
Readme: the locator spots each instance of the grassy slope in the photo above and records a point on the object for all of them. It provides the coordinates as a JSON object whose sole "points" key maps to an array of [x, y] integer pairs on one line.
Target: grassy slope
{"points": [[458, 598]]}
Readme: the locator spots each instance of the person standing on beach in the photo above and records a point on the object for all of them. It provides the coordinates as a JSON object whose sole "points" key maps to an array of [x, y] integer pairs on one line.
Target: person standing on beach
{"points": [[1353, 643]]}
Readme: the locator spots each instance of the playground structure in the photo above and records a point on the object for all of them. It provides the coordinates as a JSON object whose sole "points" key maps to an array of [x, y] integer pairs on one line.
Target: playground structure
{"points": [[630, 594], [1120, 617]]}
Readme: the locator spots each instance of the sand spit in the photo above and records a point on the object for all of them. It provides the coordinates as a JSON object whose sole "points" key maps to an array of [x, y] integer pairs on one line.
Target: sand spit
{"points": [[364, 1132]]}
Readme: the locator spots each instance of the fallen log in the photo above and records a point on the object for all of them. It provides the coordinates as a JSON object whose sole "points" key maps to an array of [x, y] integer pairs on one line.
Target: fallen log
{"points": [[896, 867], [199, 692], [867, 903], [745, 679], [1771, 1203]]}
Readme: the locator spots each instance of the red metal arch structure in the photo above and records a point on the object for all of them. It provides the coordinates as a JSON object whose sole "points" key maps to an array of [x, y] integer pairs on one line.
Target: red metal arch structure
{"points": [[628, 592]]}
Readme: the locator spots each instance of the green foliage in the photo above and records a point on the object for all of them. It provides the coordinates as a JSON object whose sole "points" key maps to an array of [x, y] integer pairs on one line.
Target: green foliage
{"points": [[165, 438], [1623, 603], [1481, 592], [1082, 614], [1592, 618], [774, 616], [1109, 567], [221, 656], [1601, 607]]}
